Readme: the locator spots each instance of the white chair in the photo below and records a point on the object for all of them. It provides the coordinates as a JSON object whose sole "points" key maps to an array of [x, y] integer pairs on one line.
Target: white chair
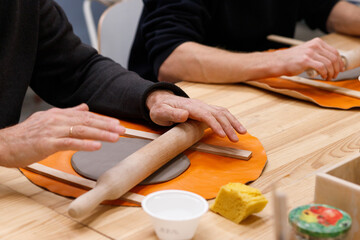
{"points": [[89, 19], [117, 28]]}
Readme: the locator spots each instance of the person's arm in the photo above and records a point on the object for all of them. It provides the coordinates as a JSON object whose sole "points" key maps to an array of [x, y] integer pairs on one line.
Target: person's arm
{"points": [[199, 63], [47, 132], [344, 18], [175, 32], [68, 72]]}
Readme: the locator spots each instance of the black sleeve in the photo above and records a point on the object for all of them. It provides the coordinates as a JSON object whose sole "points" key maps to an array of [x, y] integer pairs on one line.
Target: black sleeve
{"points": [[169, 23], [68, 73], [316, 12]]}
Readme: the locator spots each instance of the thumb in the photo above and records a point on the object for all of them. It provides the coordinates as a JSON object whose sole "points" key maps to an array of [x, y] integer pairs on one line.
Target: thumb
{"points": [[81, 107], [179, 115], [167, 115]]}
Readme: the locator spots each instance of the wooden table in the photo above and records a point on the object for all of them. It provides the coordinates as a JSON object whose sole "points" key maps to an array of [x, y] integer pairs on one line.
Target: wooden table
{"points": [[300, 139]]}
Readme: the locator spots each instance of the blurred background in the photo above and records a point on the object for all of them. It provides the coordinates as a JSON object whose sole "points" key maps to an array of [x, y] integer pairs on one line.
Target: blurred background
{"points": [[74, 11], [75, 14]]}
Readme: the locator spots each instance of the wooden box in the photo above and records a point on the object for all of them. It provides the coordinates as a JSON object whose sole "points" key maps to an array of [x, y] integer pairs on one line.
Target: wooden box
{"points": [[339, 186]]}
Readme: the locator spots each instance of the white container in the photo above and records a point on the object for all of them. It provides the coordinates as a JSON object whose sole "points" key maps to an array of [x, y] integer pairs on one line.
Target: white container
{"points": [[175, 213]]}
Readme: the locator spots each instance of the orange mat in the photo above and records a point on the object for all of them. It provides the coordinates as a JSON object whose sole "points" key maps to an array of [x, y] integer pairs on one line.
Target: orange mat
{"points": [[318, 96], [321, 97], [206, 174]]}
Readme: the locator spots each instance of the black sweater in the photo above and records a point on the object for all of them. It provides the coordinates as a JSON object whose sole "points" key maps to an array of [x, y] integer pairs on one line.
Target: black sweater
{"points": [[234, 25], [39, 49]]}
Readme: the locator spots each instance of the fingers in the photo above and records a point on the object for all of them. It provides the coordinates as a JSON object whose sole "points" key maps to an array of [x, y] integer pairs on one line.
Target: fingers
{"points": [[323, 66], [91, 120], [84, 132], [64, 144], [166, 115], [211, 121], [87, 118], [222, 122], [79, 123], [87, 123], [169, 109], [331, 59], [174, 109], [81, 107], [325, 59], [335, 58], [92, 126], [226, 127], [228, 123], [235, 123], [315, 54], [47, 132]]}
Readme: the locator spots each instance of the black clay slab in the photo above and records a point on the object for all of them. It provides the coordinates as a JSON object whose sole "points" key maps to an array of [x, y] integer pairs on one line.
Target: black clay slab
{"points": [[92, 164]]}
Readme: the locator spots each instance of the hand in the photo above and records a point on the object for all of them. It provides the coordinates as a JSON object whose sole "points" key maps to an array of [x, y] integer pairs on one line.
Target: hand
{"points": [[45, 133], [314, 54], [167, 109]]}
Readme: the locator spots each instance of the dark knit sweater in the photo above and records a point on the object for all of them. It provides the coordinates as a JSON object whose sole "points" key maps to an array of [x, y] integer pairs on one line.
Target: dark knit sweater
{"points": [[39, 49], [234, 25]]}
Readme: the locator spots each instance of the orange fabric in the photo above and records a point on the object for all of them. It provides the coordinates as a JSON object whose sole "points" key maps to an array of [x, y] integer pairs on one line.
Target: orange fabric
{"points": [[206, 174], [321, 97]]}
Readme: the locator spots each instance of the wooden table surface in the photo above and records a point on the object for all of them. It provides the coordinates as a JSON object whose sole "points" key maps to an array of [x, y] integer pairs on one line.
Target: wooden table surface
{"points": [[300, 139]]}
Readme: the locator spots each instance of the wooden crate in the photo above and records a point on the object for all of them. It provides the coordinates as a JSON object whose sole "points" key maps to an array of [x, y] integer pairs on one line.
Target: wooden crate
{"points": [[339, 186]]}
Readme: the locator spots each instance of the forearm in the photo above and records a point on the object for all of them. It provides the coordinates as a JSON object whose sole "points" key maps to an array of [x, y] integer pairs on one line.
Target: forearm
{"points": [[68, 73], [199, 63], [344, 18]]}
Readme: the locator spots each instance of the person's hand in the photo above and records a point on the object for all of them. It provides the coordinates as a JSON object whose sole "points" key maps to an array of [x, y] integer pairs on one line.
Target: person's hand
{"points": [[167, 109], [47, 132], [315, 54]]}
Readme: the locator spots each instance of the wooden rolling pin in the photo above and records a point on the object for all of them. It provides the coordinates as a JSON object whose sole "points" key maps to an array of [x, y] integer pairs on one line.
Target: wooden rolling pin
{"points": [[76, 181], [351, 58], [132, 170], [201, 147], [324, 86]]}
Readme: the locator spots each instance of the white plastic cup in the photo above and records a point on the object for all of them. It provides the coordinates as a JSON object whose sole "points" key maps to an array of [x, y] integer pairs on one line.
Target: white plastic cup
{"points": [[175, 213]]}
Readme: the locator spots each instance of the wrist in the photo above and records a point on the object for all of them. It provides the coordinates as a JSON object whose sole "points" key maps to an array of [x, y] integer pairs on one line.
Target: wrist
{"points": [[275, 64], [263, 65], [4, 150]]}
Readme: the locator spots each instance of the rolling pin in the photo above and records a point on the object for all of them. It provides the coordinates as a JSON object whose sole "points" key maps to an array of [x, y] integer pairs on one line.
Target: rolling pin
{"points": [[201, 147], [76, 181], [351, 58], [132, 170], [324, 86]]}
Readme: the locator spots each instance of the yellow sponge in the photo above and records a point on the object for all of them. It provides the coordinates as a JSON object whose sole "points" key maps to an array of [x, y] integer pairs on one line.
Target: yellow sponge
{"points": [[237, 201]]}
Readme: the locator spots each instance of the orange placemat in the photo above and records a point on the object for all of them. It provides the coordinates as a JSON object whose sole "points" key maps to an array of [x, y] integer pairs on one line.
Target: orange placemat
{"points": [[321, 97], [206, 174], [318, 96]]}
